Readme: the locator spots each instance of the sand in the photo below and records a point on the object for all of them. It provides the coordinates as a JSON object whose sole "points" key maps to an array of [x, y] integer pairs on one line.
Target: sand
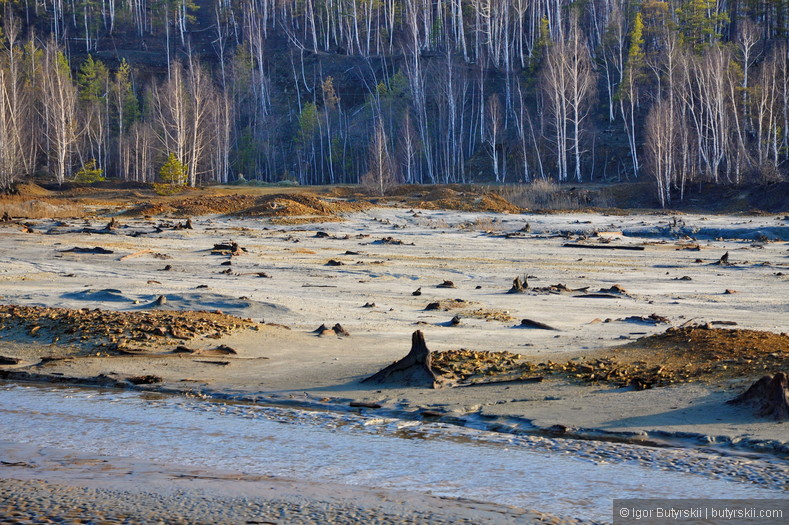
{"points": [[282, 279], [49, 485]]}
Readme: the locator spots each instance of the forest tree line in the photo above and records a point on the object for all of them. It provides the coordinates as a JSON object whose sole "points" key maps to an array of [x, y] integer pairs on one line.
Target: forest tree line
{"points": [[396, 91]]}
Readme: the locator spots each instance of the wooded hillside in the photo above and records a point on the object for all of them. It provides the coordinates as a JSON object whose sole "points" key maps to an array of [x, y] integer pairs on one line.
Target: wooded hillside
{"points": [[388, 91]]}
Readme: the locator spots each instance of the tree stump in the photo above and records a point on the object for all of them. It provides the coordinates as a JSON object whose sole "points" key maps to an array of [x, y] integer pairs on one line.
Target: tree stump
{"points": [[518, 286], [768, 395], [412, 370]]}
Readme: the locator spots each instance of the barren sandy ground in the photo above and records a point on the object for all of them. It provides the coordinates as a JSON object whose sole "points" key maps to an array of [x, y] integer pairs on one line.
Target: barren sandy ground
{"points": [[370, 294]]}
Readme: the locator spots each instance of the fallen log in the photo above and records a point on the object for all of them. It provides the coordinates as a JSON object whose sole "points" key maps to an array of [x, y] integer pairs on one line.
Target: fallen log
{"points": [[135, 254], [768, 396], [412, 370], [602, 246]]}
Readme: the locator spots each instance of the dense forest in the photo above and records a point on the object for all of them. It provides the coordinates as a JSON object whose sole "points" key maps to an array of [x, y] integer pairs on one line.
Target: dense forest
{"points": [[395, 91]]}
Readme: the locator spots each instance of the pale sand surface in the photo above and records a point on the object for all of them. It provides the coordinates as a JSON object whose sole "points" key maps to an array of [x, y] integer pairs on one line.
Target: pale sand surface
{"points": [[54, 486], [467, 248]]}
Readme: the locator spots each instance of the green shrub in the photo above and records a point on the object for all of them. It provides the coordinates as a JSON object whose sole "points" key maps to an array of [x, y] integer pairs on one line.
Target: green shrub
{"points": [[89, 173]]}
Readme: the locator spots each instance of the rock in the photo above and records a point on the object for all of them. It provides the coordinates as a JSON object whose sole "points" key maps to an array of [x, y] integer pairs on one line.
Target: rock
{"points": [[446, 284], [334, 262], [417, 292], [455, 321]]}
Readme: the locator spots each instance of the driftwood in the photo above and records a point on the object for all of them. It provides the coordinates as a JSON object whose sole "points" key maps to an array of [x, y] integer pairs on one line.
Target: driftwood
{"points": [[602, 246], [412, 370], [529, 323], [768, 396], [135, 254], [96, 250], [518, 286]]}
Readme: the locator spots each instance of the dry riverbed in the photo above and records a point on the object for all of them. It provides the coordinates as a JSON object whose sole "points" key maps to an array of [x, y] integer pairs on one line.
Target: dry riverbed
{"points": [[636, 327]]}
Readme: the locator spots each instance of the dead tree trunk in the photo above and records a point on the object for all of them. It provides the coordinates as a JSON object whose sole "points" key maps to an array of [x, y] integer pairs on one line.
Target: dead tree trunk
{"points": [[518, 286], [412, 370], [768, 395]]}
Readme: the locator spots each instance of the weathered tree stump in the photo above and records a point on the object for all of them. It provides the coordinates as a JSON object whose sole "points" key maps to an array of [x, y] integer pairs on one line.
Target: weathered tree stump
{"points": [[412, 370], [519, 286], [768, 395], [339, 330], [724, 260]]}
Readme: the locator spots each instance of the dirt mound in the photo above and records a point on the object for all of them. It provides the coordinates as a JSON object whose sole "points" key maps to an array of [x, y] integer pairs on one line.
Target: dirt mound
{"points": [[195, 206], [30, 189], [679, 355], [107, 331], [299, 205], [463, 201]]}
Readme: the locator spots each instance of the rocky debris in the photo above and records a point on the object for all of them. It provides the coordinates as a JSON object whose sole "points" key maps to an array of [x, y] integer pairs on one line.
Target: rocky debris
{"points": [[448, 304], [334, 262], [467, 366], [392, 241], [768, 396], [98, 250], [144, 380], [446, 284], [415, 369], [653, 319], [679, 355], [92, 330], [368, 305], [519, 286], [228, 248], [556, 289]]}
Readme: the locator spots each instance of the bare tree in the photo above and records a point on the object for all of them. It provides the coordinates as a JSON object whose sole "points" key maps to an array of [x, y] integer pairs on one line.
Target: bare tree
{"points": [[380, 176], [568, 83], [60, 110]]}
